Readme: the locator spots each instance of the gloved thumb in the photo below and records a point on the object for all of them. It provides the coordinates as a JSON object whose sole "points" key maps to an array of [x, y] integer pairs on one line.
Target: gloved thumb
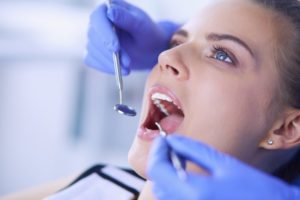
{"points": [[127, 17], [197, 152], [99, 25]]}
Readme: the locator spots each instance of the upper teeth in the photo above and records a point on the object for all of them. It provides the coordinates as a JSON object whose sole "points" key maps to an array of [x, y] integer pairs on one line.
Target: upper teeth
{"points": [[157, 97], [161, 107], [161, 97]]}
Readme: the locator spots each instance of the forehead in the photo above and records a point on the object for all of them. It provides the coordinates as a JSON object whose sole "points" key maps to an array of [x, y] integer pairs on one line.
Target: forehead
{"points": [[242, 18]]}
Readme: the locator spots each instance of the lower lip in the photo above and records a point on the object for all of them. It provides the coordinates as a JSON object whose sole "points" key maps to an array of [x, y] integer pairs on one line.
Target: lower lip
{"points": [[147, 135]]}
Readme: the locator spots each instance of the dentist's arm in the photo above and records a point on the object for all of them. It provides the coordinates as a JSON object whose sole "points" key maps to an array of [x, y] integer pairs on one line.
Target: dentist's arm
{"points": [[228, 179], [138, 38]]}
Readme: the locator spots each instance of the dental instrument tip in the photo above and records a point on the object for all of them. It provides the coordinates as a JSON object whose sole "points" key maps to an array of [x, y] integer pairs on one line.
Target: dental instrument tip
{"points": [[161, 131], [174, 157]]}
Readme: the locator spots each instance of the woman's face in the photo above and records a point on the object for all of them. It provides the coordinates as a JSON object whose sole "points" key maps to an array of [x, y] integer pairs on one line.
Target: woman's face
{"points": [[216, 84]]}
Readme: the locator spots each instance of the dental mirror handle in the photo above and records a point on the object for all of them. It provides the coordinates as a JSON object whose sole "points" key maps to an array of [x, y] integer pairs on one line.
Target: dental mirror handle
{"points": [[117, 66], [118, 75]]}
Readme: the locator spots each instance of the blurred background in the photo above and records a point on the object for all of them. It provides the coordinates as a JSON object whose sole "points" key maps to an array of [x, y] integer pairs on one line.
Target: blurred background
{"points": [[56, 115]]}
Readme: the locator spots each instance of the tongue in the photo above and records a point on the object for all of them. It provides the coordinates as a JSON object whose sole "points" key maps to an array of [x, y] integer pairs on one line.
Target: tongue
{"points": [[171, 123]]}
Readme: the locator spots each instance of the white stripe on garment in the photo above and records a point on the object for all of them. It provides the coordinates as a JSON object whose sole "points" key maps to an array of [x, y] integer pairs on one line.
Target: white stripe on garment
{"points": [[93, 187], [124, 177]]}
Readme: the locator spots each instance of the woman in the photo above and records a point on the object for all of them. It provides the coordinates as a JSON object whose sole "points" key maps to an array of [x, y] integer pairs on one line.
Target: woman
{"points": [[231, 80], [234, 82]]}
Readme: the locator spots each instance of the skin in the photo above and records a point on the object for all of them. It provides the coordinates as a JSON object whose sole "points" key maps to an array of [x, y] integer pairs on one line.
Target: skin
{"points": [[229, 101], [232, 107]]}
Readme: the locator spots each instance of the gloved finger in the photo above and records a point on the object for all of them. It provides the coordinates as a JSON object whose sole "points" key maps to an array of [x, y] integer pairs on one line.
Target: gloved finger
{"points": [[170, 27], [166, 181], [99, 52], [199, 153], [128, 6], [91, 61], [125, 59], [102, 55], [162, 173], [194, 187], [102, 61], [126, 20], [159, 168], [103, 64], [96, 46], [167, 192], [103, 28], [96, 38]]}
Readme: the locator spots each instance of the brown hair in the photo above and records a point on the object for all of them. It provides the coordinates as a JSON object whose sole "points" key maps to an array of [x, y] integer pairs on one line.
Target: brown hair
{"points": [[288, 61]]}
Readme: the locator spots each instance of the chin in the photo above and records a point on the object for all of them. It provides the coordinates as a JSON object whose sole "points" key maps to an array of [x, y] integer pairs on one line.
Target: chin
{"points": [[138, 156]]}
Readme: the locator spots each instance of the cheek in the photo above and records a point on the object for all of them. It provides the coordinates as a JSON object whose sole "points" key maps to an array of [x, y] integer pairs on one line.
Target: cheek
{"points": [[153, 75], [226, 115]]}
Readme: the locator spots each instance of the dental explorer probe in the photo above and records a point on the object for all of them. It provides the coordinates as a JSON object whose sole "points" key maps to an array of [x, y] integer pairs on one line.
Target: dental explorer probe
{"points": [[174, 157], [120, 108]]}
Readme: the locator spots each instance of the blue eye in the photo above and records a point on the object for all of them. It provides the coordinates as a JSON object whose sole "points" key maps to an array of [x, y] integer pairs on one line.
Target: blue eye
{"points": [[223, 56]]}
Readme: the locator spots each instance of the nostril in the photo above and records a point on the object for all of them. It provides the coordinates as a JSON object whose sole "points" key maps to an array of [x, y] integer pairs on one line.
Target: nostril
{"points": [[174, 70]]}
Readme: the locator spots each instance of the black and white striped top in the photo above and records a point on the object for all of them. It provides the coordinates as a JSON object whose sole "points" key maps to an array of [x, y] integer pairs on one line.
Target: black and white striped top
{"points": [[103, 182]]}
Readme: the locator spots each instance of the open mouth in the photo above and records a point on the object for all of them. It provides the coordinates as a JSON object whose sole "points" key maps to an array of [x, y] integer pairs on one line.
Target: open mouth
{"points": [[165, 109]]}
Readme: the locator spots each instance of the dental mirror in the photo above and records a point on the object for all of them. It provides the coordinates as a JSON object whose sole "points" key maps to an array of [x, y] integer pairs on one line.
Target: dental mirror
{"points": [[120, 108], [124, 110]]}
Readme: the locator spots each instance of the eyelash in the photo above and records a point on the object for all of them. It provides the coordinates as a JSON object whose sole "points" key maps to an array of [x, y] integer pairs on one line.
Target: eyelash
{"points": [[216, 49]]}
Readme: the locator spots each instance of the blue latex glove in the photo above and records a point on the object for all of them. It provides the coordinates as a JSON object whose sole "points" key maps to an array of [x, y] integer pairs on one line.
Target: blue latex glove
{"points": [[229, 178], [138, 38]]}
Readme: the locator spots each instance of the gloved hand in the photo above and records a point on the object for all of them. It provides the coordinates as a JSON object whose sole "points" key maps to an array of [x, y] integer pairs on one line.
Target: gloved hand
{"points": [[229, 178], [139, 40]]}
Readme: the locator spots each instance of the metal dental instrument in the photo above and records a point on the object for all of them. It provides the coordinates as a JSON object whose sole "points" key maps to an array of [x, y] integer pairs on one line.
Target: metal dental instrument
{"points": [[174, 157], [120, 108]]}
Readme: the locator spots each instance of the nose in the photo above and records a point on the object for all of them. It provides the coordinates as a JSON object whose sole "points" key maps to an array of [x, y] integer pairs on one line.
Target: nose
{"points": [[172, 63]]}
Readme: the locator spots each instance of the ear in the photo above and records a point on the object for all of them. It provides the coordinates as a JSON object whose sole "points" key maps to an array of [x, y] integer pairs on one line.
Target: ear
{"points": [[285, 133]]}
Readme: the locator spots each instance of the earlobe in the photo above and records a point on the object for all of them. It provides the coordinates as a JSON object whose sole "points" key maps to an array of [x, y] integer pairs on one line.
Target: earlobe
{"points": [[285, 134]]}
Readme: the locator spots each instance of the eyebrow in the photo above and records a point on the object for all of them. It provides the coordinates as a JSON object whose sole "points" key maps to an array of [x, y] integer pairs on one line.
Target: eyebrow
{"points": [[181, 32], [219, 37]]}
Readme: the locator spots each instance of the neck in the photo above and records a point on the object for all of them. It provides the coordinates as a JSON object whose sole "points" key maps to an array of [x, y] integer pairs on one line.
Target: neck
{"points": [[146, 193]]}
